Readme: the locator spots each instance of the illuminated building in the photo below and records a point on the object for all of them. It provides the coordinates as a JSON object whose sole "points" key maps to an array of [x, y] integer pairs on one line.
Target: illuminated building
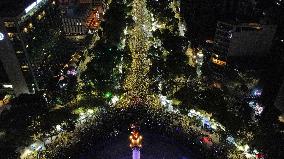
{"points": [[74, 28], [23, 24], [93, 20], [249, 39], [81, 17], [5, 85], [241, 9]]}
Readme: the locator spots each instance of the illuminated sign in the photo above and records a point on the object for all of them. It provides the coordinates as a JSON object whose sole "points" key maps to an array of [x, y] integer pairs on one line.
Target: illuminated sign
{"points": [[1, 36], [30, 7]]}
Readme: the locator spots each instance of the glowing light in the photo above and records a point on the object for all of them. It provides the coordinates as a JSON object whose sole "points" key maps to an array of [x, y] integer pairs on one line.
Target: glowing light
{"points": [[135, 154], [257, 92], [25, 30], [231, 140], [135, 140], [1, 36], [7, 86], [37, 146], [72, 72], [114, 100], [258, 110], [90, 111], [108, 95], [218, 62], [30, 7], [34, 4], [58, 127], [25, 153]]}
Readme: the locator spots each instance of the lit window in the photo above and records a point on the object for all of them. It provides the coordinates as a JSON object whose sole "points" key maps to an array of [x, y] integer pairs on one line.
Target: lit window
{"points": [[9, 24]]}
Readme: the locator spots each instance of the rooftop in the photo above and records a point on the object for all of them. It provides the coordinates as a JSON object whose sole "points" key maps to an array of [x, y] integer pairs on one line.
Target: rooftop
{"points": [[13, 8]]}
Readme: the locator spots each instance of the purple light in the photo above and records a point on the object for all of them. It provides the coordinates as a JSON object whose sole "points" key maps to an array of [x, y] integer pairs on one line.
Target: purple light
{"points": [[136, 153], [257, 92], [72, 72], [206, 123]]}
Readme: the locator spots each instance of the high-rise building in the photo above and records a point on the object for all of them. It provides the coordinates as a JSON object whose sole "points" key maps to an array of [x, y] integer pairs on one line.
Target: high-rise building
{"points": [[238, 9], [247, 39], [24, 28], [279, 102], [5, 85]]}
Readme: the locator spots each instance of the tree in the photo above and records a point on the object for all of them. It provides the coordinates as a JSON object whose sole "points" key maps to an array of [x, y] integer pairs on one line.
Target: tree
{"points": [[115, 22], [24, 118]]}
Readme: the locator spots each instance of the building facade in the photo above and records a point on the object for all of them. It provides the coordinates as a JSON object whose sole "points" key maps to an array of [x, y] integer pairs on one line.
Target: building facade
{"points": [[238, 9], [24, 30], [249, 39], [279, 101]]}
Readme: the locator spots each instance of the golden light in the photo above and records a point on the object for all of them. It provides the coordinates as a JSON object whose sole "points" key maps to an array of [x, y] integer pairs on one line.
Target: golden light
{"points": [[10, 34], [39, 17], [137, 81], [218, 62]]}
